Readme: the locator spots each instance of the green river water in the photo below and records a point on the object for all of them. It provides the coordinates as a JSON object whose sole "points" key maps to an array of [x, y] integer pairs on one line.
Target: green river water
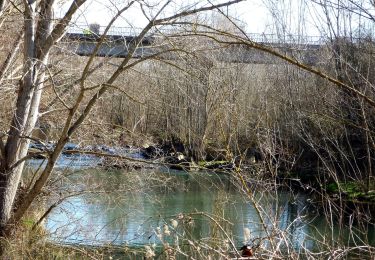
{"points": [[129, 207]]}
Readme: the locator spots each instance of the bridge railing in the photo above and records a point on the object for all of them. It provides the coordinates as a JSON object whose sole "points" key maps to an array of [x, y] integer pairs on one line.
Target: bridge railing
{"points": [[286, 39], [86, 29], [256, 37]]}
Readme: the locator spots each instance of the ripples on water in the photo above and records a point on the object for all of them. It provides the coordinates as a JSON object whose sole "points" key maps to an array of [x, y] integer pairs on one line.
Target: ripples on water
{"points": [[130, 215], [127, 207]]}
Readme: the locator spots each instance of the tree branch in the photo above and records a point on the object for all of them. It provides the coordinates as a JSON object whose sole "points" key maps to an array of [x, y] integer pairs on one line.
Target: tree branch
{"points": [[11, 56], [194, 11], [246, 41], [70, 126], [59, 30]]}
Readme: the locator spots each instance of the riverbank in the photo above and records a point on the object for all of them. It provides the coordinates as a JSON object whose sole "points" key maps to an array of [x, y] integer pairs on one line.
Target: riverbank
{"points": [[174, 156], [126, 208]]}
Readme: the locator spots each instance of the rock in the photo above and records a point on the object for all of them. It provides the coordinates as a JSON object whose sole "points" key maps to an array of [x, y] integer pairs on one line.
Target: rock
{"points": [[177, 161], [174, 145], [254, 155], [151, 152]]}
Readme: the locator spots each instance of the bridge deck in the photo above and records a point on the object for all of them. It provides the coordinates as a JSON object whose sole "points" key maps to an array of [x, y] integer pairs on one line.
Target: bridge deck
{"points": [[84, 37], [119, 33], [82, 41]]}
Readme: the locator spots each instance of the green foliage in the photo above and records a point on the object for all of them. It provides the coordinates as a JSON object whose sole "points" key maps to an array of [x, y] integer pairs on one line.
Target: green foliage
{"points": [[212, 164], [332, 187], [87, 32], [28, 223], [352, 190]]}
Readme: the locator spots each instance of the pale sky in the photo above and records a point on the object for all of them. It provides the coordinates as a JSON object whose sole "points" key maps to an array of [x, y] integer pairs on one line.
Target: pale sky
{"points": [[253, 13], [257, 16]]}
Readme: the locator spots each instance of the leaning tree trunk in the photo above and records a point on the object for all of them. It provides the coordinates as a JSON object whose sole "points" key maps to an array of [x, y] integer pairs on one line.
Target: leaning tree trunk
{"points": [[17, 146], [27, 106], [39, 38]]}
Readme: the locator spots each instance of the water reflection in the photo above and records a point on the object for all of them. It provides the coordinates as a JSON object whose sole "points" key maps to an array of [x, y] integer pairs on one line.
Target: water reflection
{"points": [[136, 203]]}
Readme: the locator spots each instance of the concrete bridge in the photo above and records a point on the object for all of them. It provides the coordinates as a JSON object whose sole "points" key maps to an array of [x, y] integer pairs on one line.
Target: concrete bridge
{"points": [[82, 41]]}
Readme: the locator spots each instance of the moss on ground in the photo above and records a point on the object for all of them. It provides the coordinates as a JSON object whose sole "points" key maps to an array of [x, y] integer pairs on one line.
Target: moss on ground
{"points": [[208, 164], [353, 190]]}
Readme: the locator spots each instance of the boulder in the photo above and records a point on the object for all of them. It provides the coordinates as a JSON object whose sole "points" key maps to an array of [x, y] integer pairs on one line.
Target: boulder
{"points": [[151, 152]]}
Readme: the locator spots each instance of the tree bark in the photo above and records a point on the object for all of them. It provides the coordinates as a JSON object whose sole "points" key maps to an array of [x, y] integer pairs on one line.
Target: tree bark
{"points": [[39, 38], [27, 105], [16, 147], [11, 56]]}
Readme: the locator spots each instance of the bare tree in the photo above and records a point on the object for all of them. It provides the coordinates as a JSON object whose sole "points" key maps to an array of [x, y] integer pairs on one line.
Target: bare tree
{"points": [[39, 37], [41, 34]]}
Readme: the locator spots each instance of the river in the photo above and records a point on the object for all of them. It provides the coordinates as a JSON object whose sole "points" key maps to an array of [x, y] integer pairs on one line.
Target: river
{"points": [[133, 208]]}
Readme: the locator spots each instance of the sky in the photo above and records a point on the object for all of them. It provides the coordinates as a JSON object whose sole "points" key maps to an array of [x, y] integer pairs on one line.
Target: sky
{"points": [[256, 16], [253, 14]]}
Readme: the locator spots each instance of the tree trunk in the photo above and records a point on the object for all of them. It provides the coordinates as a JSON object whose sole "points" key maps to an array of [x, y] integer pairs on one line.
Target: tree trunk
{"points": [[16, 146], [11, 57], [27, 106]]}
